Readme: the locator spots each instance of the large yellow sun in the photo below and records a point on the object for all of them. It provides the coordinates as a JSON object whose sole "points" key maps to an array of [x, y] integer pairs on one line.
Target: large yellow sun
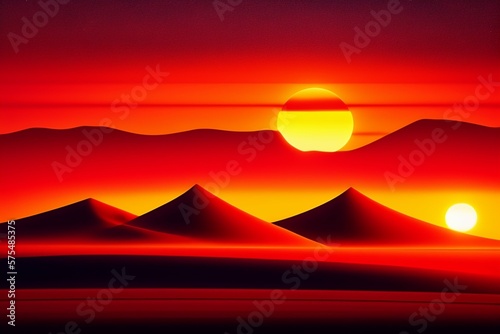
{"points": [[315, 119], [461, 217]]}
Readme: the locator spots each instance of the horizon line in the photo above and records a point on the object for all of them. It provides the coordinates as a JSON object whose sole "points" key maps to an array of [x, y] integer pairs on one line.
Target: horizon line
{"points": [[355, 133]]}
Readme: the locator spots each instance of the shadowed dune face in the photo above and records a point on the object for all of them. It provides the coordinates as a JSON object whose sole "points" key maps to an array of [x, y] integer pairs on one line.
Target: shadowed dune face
{"points": [[86, 218], [111, 216], [354, 219], [201, 215], [88, 221], [196, 218]]}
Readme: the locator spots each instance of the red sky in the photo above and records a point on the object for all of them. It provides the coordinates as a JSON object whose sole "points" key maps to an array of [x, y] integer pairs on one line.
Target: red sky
{"points": [[235, 74]]}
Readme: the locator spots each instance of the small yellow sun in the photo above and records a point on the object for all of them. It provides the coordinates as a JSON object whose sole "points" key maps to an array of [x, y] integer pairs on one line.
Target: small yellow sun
{"points": [[461, 217]]}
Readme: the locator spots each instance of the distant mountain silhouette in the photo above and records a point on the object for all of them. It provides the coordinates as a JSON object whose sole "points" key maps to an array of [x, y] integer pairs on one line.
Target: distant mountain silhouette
{"points": [[354, 219], [199, 214], [455, 131]]}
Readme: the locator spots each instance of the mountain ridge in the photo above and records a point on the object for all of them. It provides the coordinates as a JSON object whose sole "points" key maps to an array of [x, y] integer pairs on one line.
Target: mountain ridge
{"points": [[421, 123]]}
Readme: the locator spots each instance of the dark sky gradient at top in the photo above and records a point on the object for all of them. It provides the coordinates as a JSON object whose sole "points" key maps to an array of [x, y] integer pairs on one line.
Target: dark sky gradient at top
{"points": [[259, 41]]}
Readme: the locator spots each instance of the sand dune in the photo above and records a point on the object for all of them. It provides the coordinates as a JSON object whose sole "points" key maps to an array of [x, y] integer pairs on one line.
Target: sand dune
{"points": [[199, 214], [85, 218], [354, 219]]}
